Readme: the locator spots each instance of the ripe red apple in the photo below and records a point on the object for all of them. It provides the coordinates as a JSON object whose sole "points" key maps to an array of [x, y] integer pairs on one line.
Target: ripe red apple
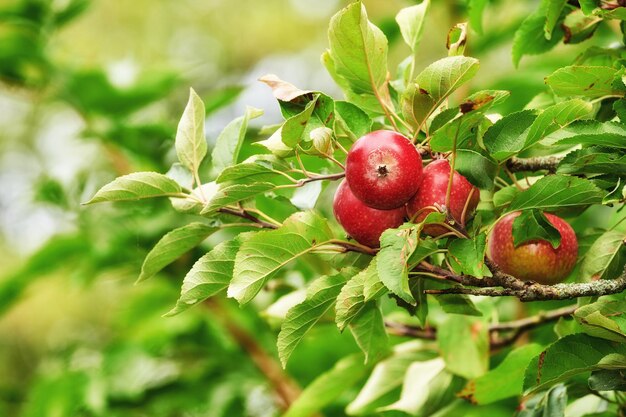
{"points": [[364, 224], [464, 196], [384, 169], [535, 260]]}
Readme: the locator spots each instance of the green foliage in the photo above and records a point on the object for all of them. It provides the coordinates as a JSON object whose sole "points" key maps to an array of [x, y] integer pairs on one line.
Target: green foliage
{"points": [[239, 229]]}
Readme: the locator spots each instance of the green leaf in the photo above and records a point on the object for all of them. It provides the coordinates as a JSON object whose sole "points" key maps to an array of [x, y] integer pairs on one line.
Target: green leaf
{"points": [[604, 319], [557, 117], [258, 168], [591, 132], [191, 145], [397, 246], [508, 135], [358, 50], [533, 225], [550, 404], [505, 195], [372, 287], [320, 297], [578, 27], [530, 37], [228, 143], [351, 299], [369, 332], [593, 160], [607, 380], [426, 388], [386, 377], [231, 193], [568, 357], [466, 129], [583, 81], [352, 120], [478, 169], [136, 186], [557, 191], [467, 255], [475, 10], [553, 9], [411, 22], [605, 256], [504, 381], [457, 39], [327, 387], [458, 304], [172, 246], [264, 254], [433, 85], [482, 101], [464, 345], [209, 275]]}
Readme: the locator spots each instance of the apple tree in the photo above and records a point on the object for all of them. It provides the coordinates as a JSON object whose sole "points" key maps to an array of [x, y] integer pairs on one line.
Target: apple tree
{"points": [[448, 236]]}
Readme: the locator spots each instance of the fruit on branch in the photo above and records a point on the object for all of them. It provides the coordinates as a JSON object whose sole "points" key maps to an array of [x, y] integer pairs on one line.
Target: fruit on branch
{"points": [[431, 196], [384, 169], [363, 223], [535, 260]]}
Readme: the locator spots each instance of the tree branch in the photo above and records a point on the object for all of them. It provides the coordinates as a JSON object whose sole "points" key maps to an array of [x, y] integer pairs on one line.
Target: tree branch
{"points": [[284, 387], [538, 163], [514, 328], [244, 214]]}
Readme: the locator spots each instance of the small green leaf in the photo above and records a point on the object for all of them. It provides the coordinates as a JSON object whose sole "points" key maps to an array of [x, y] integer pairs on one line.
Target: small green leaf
{"points": [[590, 132], [533, 225], [505, 195], [530, 37], [557, 117], [426, 388], [411, 22], [231, 193], [458, 304], [583, 81], [372, 287], [191, 145], [584, 354], [386, 377], [605, 257], [172, 246], [352, 120], [228, 144], [457, 38], [557, 191], [328, 386], [464, 345], [434, 84], [604, 319], [508, 135], [258, 168], [351, 299], [594, 160], [320, 297], [504, 381], [358, 51], [209, 275], [553, 10], [467, 255], [369, 332], [478, 169], [264, 254], [136, 186], [475, 10], [397, 246], [607, 380]]}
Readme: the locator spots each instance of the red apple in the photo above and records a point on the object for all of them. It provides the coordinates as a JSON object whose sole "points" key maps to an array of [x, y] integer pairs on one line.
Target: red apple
{"points": [[364, 224], [464, 196], [384, 169], [535, 260]]}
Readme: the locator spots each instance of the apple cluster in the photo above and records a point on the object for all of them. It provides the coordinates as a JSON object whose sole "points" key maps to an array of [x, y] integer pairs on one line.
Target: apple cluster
{"points": [[387, 184]]}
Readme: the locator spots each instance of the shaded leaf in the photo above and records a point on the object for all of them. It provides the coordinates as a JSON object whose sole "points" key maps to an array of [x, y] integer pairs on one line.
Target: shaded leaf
{"points": [[557, 191]]}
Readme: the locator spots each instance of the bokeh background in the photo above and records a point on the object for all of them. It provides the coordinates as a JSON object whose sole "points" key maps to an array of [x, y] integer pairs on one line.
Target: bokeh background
{"points": [[93, 89]]}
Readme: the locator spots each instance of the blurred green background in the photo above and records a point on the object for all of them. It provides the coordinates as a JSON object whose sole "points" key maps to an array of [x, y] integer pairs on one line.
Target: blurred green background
{"points": [[90, 90]]}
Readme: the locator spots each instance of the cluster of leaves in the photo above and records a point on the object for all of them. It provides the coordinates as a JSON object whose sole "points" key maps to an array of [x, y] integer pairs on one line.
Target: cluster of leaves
{"points": [[577, 122]]}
